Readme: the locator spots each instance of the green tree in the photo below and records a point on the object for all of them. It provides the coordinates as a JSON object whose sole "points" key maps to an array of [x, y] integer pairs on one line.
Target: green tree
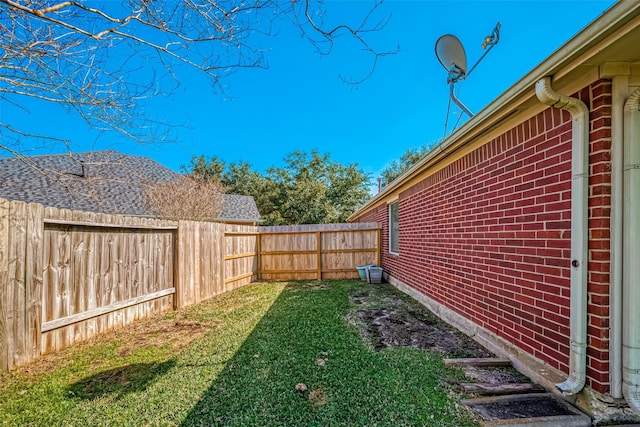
{"points": [[410, 157], [239, 178], [236, 178], [313, 189], [309, 189], [206, 168]]}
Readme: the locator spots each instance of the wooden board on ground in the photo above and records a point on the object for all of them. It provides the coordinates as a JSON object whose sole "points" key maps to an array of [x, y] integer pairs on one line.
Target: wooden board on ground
{"points": [[482, 361], [500, 389]]}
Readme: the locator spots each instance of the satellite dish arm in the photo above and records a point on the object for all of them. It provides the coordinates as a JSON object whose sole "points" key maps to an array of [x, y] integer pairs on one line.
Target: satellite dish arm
{"points": [[489, 42], [457, 101]]}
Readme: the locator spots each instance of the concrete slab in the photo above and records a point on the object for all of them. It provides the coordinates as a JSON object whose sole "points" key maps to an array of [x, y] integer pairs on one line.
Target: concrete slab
{"points": [[531, 410]]}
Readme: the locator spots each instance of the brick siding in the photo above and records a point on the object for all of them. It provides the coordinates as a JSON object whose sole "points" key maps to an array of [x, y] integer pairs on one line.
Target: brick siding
{"points": [[599, 235], [489, 235]]}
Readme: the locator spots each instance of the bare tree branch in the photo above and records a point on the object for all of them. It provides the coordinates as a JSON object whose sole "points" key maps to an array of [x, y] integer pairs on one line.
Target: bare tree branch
{"points": [[95, 60], [328, 36]]}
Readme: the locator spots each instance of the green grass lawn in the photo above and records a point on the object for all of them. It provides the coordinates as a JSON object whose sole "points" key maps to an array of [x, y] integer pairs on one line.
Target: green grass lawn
{"points": [[239, 360]]}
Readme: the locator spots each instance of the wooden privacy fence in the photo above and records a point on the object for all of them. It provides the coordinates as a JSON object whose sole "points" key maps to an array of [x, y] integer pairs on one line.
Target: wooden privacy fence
{"points": [[66, 276], [211, 259], [318, 251], [98, 272]]}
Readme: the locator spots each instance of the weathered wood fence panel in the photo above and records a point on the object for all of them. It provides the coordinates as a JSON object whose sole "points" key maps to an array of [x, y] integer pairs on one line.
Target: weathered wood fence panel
{"points": [[288, 255], [318, 251], [240, 255], [20, 282], [200, 264], [102, 272], [342, 251]]}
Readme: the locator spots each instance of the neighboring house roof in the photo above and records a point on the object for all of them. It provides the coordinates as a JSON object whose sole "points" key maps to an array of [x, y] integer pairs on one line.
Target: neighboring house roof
{"points": [[605, 48], [100, 181], [237, 208]]}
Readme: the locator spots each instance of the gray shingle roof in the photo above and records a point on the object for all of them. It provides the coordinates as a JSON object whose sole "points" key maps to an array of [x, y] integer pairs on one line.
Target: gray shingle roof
{"points": [[100, 181]]}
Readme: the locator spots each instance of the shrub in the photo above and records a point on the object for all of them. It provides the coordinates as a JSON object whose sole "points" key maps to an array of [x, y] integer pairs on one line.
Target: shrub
{"points": [[187, 197]]}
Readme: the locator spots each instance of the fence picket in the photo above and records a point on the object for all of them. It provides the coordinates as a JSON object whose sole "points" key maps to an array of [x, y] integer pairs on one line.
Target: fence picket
{"points": [[4, 279], [33, 280], [16, 313]]}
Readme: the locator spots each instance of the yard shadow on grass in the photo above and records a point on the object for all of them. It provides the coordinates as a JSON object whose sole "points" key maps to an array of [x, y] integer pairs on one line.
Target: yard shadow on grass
{"points": [[120, 381], [258, 384], [303, 364]]}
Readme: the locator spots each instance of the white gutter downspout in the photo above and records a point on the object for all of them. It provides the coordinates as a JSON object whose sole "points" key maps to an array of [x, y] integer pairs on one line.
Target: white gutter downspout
{"points": [[579, 230], [631, 265], [619, 94]]}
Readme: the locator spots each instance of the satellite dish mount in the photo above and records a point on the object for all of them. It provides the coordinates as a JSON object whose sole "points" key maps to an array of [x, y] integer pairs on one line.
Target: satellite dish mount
{"points": [[453, 58]]}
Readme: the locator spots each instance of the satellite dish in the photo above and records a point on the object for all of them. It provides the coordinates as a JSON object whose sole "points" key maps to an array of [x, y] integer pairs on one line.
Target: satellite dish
{"points": [[451, 55]]}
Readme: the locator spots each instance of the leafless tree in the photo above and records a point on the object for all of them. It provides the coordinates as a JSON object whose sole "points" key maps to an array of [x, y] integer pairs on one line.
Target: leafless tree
{"points": [[186, 197], [94, 57]]}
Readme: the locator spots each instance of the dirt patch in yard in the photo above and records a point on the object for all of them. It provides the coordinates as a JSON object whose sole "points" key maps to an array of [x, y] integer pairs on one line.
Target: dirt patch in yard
{"points": [[316, 286], [388, 319], [391, 321], [388, 328], [158, 331]]}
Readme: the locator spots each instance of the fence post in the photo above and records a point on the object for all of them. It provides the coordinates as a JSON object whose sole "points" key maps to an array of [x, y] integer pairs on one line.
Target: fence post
{"points": [[319, 253], [379, 247], [216, 256], [176, 268], [259, 256]]}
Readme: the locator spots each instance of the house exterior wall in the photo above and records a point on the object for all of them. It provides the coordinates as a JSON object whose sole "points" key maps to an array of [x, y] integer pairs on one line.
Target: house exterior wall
{"points": [[599, 267], [489, 235]]}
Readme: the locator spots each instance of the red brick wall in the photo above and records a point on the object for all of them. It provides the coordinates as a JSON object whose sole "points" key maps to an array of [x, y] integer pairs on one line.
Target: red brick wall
{"points": [[599, 233], [381, 216], [489, 235]]}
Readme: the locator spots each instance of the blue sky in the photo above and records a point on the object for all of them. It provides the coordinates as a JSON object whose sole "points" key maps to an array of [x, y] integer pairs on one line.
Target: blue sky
{"points": [[300, 103]]}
